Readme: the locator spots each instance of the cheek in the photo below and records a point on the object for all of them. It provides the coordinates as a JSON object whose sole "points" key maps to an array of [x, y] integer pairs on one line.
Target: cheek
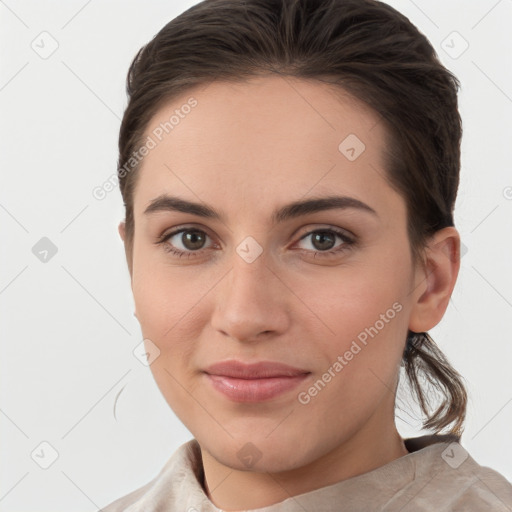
{"points": [[170, 305], [350, 299], [155, 303], [364, 319], [167, 310], [360, 361], [163, 294]]}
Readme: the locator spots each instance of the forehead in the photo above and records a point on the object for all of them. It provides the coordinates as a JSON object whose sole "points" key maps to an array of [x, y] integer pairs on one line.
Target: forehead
{"points": [[264, 141]]}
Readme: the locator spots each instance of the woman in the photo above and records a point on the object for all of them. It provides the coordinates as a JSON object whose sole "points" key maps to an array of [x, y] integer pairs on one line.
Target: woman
{"points": [[289, 170]]}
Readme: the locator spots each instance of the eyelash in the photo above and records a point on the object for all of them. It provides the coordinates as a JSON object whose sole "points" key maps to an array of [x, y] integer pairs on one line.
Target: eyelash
{"points": [[348, 243]]}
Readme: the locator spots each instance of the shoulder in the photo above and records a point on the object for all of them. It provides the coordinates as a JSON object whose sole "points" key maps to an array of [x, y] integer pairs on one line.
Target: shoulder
{"points": [[177, 479], [476, 487], [449, 479], [122, 504]]}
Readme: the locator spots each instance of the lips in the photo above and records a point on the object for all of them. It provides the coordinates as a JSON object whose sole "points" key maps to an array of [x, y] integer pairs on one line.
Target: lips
{"points": [[261, 370], [254, 382]]}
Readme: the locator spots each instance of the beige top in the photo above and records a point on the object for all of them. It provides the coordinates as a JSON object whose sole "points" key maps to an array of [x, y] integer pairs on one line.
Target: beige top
{"points": [[437, 475]]}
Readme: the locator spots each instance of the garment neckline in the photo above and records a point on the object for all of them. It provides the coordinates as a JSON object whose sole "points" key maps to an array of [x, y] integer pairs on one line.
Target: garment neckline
{"points": [[412, 444]]}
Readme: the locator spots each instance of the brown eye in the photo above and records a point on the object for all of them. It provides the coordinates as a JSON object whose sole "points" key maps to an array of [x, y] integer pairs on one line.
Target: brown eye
{"points": [[190, 242], [193, 239], [324, 241]]}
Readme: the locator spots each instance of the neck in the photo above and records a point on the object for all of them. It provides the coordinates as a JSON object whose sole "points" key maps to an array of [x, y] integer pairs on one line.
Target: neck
{"points": [[368, 449]]}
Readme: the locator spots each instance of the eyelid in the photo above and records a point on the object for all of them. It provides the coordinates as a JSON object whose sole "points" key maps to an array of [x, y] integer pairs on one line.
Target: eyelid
{"points": [[176, 229], [349, 241], [327, 227]]}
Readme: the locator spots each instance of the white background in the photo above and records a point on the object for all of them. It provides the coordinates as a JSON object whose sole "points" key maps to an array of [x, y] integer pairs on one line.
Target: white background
{"points": [[68, 329]]}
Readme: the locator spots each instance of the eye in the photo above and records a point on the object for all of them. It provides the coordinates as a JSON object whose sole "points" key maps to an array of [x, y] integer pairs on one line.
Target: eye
{"points": [[190, 242], [323, 241]]}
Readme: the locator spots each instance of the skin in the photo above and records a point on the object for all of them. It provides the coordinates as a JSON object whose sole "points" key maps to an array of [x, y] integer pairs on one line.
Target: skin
{"points": [[244, 150]]}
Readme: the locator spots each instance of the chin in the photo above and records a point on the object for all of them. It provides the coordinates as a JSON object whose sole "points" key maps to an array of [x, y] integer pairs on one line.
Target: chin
{"points": [[259, 454]]}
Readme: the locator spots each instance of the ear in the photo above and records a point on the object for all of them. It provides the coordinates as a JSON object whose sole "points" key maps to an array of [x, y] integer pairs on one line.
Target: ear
{"points": [[122, 233], [435, 280], [121, 229]]}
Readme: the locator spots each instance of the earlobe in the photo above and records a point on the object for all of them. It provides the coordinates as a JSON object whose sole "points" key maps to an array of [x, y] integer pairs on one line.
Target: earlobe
{"points": [[122, 233], [434, 283], [121, 229]]}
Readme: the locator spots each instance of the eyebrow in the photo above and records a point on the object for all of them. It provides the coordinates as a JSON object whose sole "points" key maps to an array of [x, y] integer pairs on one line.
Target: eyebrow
{"points": [[166, 202]]}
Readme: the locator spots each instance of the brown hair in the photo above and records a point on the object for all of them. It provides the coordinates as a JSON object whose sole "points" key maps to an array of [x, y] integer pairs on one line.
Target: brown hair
{"points": [[364, 47]]}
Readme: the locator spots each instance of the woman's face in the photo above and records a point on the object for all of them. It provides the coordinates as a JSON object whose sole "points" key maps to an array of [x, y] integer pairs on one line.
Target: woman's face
{"points": [[328, 291]]}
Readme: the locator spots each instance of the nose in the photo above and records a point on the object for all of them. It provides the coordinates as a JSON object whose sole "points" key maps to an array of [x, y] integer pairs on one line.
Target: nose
{"points": [[251, 302]]}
